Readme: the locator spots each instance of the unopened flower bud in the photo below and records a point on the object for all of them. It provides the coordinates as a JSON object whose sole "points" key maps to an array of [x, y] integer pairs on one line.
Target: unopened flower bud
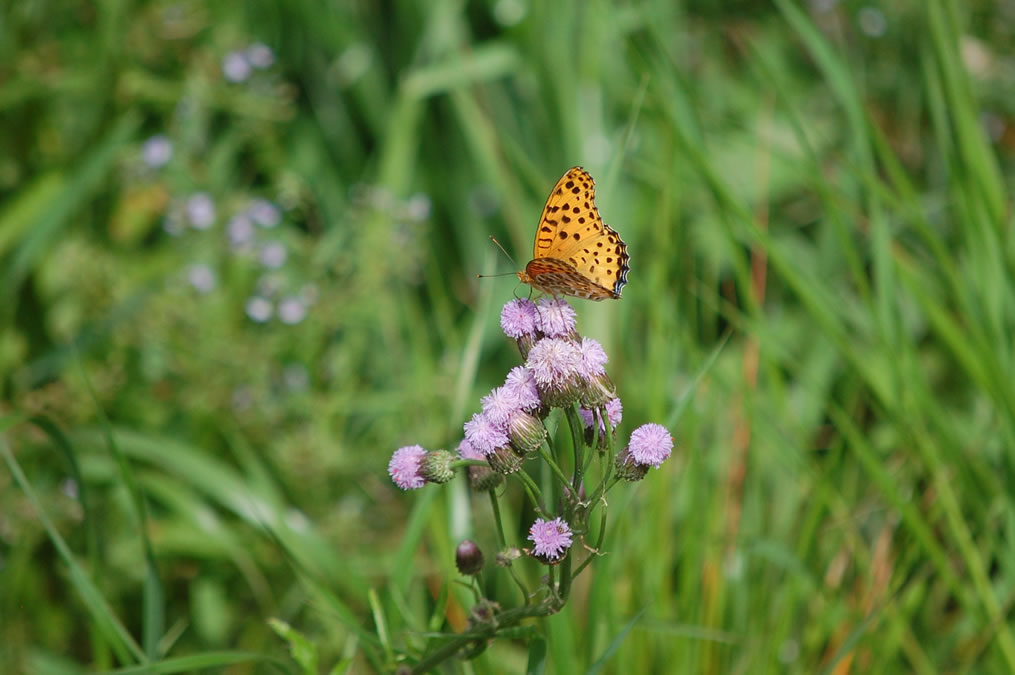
{"points": [[504, 461], [598, 391], [562, 394], [526, 432], [468, 558]]}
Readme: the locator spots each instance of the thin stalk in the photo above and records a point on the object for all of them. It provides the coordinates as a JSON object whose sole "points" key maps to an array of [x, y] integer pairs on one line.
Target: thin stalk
{"points": [[599, 544], [545, 452], [532, 490], [501, 539], [505, 620]]}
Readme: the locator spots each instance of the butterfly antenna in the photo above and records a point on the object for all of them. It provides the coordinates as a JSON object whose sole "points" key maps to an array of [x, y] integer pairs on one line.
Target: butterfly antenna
{"points": [[502, 250]]}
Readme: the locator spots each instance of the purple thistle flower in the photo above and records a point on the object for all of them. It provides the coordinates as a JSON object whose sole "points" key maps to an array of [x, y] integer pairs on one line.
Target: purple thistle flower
{"points": [[650, 445], [593, 358], [499, 405], [553, 361], [467, 450], [518, 318], [484, 434], [556, 318], [614, 410], [404, 467], [551, 538], [522, 385]]}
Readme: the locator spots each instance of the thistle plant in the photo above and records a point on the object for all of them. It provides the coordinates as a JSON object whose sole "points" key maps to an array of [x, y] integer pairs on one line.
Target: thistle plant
{"points": [[562, 383]]}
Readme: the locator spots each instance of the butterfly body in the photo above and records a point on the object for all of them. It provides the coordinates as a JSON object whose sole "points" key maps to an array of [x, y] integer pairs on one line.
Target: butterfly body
{"points": [[575, 252]]}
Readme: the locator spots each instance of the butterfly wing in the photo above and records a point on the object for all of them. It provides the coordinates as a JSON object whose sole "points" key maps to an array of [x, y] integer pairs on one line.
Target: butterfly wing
{"points": [[575, 252]]}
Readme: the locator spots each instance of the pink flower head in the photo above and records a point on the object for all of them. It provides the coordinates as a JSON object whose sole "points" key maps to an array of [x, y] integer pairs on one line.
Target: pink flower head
{"points": [[556, 318], [404, 467], [551, 538], [499, 405], [650, 445], [484, 434], [522, 385], [519, 318], [553, 361], [614, 410], [593, 358], [468, 451]]}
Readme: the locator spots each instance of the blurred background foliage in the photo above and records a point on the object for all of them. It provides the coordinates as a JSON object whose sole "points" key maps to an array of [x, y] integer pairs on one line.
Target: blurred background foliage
{"points": [[239, 244]]}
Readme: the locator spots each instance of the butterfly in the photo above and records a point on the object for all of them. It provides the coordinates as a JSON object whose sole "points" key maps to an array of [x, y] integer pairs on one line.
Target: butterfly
{"points": [[575, 252]]}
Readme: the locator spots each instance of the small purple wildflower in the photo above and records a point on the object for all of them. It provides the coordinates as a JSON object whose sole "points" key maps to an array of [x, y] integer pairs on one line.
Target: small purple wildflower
{"points": [[157, 151], [650, 445], [259, 55], [518, 318], [522, 385], [240, 231], [553, 361], [236, 67], [499, 405], [273, 254], [259, 309], [201, 277], [418, 207], [404, 467], [614, 410], [556, 317], [551, 538], [200, 211], [264, 213], [291, 310], [484, 434], [593, 358]]}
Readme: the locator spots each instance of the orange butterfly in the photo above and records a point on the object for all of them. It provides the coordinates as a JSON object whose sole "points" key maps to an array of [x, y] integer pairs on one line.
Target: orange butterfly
{"points": [[575, 252]]}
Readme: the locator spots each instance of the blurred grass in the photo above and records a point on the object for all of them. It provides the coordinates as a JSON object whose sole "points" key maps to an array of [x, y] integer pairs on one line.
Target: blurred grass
{"points": [[826, 182]]}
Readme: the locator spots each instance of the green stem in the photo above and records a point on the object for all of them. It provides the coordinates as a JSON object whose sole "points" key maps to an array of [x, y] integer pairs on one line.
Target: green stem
{"points": [[544, 452], [503, 544], [565, 577], [497, 519], [606, 483], [577, 442], [532, 490], [506, 619], [599, 544]]}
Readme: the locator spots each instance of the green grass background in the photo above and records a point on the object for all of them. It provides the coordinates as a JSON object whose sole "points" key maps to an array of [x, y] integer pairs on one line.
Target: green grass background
{"points": [[815, 197]]}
